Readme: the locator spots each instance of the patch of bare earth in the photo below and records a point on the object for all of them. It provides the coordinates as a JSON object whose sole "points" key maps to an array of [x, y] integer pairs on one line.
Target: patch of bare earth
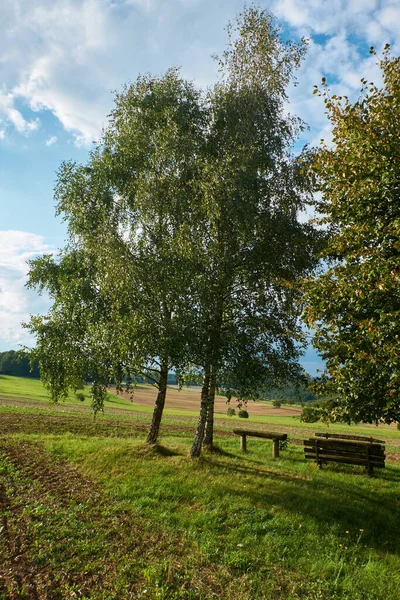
{"points": [[49, 424], [189, 399], [33, 489], [60, 424], [45, 504]]}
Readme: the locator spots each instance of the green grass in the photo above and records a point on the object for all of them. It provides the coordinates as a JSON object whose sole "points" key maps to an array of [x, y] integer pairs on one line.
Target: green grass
{"points": [[32, 389], [262, 528], [100, 515], [20, 387]]}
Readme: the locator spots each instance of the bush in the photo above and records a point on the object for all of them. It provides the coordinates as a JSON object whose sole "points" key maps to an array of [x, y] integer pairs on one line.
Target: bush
{"points": [[277, 404], [231, 412], [312, 413], [243, 414], [80, 396]]}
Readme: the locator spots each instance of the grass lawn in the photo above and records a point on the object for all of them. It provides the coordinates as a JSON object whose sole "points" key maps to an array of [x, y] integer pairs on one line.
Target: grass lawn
{"points": [[89, 511], [25, 387]]}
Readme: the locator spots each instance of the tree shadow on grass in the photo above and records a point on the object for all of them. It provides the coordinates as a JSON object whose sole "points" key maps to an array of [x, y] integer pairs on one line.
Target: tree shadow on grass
{"points": [[149, 450], [217, 451], [351, 501]]}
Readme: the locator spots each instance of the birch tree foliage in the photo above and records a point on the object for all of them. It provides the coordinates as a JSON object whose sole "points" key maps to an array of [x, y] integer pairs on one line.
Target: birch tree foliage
{"points": [[129, 212], [185, 219], [355, 305], [72, 340], [255, 248]]}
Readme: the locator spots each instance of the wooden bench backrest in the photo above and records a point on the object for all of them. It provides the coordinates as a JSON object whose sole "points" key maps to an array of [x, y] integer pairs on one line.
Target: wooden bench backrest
{"points": [[342, 436], [357, 452]]}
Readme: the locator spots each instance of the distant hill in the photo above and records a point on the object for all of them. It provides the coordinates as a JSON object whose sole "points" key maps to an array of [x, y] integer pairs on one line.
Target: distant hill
{"points": [[16, 363]]}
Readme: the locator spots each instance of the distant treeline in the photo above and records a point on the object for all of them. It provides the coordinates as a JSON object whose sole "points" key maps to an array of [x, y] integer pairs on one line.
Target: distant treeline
{"points": [[171, 380], [16, 362], [289, 393]]}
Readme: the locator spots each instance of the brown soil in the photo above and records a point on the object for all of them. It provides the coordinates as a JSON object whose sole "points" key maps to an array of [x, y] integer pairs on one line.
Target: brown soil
{"points": [[33, 480], [62, 536], [59, 424], [46, 504]]}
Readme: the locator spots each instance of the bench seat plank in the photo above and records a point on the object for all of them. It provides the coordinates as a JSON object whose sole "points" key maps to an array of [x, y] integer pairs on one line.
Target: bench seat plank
{"points": [[347, 459], [342, 436], [344, 442], [262, 434], [268, 435]]}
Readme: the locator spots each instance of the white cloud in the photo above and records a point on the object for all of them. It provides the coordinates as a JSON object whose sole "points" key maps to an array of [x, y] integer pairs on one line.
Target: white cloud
{"points": [[321, 17], [9, 114], [51, 140], [16, 302], [339, 54], [67, 56]]}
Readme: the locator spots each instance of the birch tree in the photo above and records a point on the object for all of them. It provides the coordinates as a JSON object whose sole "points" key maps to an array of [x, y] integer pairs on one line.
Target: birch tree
{"points": [[256, 250], [130, 213]]}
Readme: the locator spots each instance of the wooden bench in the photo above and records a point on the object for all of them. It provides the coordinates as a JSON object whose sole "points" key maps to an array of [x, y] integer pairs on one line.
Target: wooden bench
{"points": [[275, 437], [352, 450]]}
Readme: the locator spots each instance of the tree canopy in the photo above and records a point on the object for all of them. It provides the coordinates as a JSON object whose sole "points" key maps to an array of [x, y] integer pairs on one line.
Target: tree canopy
{"points": [[185, 249], [255, 249], [354, 305], [121, 288]]}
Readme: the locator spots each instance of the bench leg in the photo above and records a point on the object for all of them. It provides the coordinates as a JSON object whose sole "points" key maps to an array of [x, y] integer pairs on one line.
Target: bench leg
{"points": [[275, 448], [243, 443]]}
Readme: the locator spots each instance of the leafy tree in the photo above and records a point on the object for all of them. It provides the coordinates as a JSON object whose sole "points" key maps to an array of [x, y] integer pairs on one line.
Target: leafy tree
{"points": [[254, 249], [184, 250], [121, 288], [354, 305], [74, 340]]}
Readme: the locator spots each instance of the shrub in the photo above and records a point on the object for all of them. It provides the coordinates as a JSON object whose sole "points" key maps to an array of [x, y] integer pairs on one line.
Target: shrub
{"points": [[277, 404], [312, 413], [80, 396], [243, 414], [231, 412]]}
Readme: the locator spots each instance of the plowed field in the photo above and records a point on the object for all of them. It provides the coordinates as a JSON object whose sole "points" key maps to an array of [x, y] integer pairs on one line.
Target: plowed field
{"points": [[189, 399]]}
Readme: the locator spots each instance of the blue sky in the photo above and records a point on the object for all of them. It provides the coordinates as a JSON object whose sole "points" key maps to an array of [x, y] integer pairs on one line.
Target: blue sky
{"points": [[61, 60]]}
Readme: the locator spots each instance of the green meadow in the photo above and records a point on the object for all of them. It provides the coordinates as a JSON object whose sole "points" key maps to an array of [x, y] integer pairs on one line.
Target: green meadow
{"points": [[89, 511]]}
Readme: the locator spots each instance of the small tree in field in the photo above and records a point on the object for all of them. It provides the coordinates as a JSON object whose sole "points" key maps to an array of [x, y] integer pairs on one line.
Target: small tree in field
{"points": [[355, 305]]}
